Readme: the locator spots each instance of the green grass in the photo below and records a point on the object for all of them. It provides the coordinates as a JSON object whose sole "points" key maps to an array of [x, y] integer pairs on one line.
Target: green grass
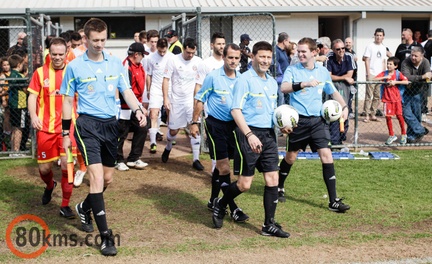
{"points": [[390, 200]]}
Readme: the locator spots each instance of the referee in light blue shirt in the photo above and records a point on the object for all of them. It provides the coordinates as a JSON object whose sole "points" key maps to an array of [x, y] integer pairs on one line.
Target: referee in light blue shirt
{"points": [[95, 77], [254, 100], [217, 90], [306, 81]]}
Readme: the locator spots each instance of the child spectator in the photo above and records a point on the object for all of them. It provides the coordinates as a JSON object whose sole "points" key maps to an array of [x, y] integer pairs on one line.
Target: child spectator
{"points": [[17, 102], [392, 96]]}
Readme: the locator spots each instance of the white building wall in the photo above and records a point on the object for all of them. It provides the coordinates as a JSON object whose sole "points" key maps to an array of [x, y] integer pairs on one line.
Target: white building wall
{"points": [[297, 26]]}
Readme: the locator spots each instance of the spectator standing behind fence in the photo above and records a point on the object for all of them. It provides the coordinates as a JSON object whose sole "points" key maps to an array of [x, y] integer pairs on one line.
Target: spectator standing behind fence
{"points": [[5, 73], [428, 46], [375, 62], [45, 108], [282, 62], [18, 45], [245, 52], [17, 103], [175, 46], [349, 49], [417, 69], [392, 97], [341, 67], [403, 51]]}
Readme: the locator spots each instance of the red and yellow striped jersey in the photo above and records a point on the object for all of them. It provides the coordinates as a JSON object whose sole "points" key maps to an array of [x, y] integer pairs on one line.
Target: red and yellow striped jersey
{"points": [[46, 82]]}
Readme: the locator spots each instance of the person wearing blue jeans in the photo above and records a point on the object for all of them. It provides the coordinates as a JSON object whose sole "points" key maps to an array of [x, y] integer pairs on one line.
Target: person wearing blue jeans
{"points": [[417, 69]]}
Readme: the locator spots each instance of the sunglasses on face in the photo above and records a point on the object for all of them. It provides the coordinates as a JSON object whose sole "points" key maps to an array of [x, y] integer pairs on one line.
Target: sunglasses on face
{"points": [[339, 49]]}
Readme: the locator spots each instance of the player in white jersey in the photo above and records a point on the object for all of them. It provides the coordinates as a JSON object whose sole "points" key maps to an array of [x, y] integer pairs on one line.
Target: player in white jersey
{"points": [[155, 68], [182, 72]]}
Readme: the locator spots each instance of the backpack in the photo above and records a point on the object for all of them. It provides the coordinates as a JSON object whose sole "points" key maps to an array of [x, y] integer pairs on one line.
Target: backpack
{"points": [[401, 87]]}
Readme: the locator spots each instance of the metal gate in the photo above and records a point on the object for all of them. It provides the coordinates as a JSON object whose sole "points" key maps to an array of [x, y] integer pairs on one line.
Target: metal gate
{"points": [[21, 40]]}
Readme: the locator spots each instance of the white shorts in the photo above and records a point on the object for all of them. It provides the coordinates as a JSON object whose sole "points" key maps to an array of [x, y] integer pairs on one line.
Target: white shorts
{"points": [[156, 101], [180, 115]]}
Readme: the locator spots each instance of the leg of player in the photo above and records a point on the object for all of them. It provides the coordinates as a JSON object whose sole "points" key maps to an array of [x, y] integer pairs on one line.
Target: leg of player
{"points": [[154, 113], [171, 136], [46, 174], [329, 175], [196, 148], [67, 188], [270, 227], [284, 169]]}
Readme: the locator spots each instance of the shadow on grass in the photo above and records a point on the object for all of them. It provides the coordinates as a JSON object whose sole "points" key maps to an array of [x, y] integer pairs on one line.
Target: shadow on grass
{"points": [[24, 197], [181, 205]]}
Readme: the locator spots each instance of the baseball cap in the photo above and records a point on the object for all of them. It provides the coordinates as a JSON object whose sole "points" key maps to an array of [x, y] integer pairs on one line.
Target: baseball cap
{"points": [[137, 47], [171, 33], [325, 41], [245, 37]]}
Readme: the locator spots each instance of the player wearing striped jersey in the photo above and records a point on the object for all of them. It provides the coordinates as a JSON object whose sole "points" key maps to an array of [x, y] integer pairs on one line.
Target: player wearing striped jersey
{"points": [[45, 108]]}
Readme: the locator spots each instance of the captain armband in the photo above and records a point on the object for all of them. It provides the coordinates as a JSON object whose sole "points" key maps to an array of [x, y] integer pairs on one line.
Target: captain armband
{"points": [[296, 86]]}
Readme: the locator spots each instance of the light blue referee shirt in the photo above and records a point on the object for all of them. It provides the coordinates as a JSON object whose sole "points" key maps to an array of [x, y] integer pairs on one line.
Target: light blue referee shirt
{"points": [[96, 84], [217, 90], [308, 101], [256, 98]]}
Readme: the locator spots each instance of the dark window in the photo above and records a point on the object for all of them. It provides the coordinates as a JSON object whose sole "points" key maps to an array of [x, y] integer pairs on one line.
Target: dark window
{"points": [[224, 25], [118, 27]]}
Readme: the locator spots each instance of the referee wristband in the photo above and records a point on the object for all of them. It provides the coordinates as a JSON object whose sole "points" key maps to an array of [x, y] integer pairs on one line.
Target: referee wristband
{"points": [[296, 86], [343, 108], [248, 134], [66, 123]]}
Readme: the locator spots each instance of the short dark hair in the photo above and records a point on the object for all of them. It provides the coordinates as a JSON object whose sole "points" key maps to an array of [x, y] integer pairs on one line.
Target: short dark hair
{"points": [[217, 35], [261, 45], [282, 37], [189, 43], [162, 43], [66, 36], [152, 33], [75, 36], [310, 42], [58, 41], [14, 60], [142, 35], [379, 30], [395, 60], [230, 46], [94, 24]]}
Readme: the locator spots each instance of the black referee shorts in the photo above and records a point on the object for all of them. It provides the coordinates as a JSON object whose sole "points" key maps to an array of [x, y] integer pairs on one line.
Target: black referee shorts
{"points": [[97, 139], [247, 160], [220, 138], [312, 131]]}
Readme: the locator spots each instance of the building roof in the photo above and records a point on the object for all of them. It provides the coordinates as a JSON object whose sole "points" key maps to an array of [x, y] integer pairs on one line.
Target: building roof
{"points": [[211, 6]]}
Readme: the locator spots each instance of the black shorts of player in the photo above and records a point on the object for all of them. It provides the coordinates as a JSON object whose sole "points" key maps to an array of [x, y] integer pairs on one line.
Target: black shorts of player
{"points": [[220, 137], [97, 139], [19, 117], [247, 160], [312, 131]]}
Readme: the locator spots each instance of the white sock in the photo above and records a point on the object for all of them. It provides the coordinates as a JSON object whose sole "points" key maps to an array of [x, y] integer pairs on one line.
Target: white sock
{"points": [[213, 165], [170, 139], [153, 132], [195, 143]]}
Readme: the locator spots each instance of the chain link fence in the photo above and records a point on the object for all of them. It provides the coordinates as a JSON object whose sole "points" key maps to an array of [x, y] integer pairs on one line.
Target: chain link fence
{"points": [[21, 51], [373, 132]]}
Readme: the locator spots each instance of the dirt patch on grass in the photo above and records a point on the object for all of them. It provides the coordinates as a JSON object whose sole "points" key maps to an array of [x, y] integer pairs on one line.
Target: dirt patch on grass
{"points": [[160, 214]]}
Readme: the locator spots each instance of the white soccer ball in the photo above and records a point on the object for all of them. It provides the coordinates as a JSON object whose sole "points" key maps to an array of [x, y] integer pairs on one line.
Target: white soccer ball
{"points": [[331, 110], [285, 116]]}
